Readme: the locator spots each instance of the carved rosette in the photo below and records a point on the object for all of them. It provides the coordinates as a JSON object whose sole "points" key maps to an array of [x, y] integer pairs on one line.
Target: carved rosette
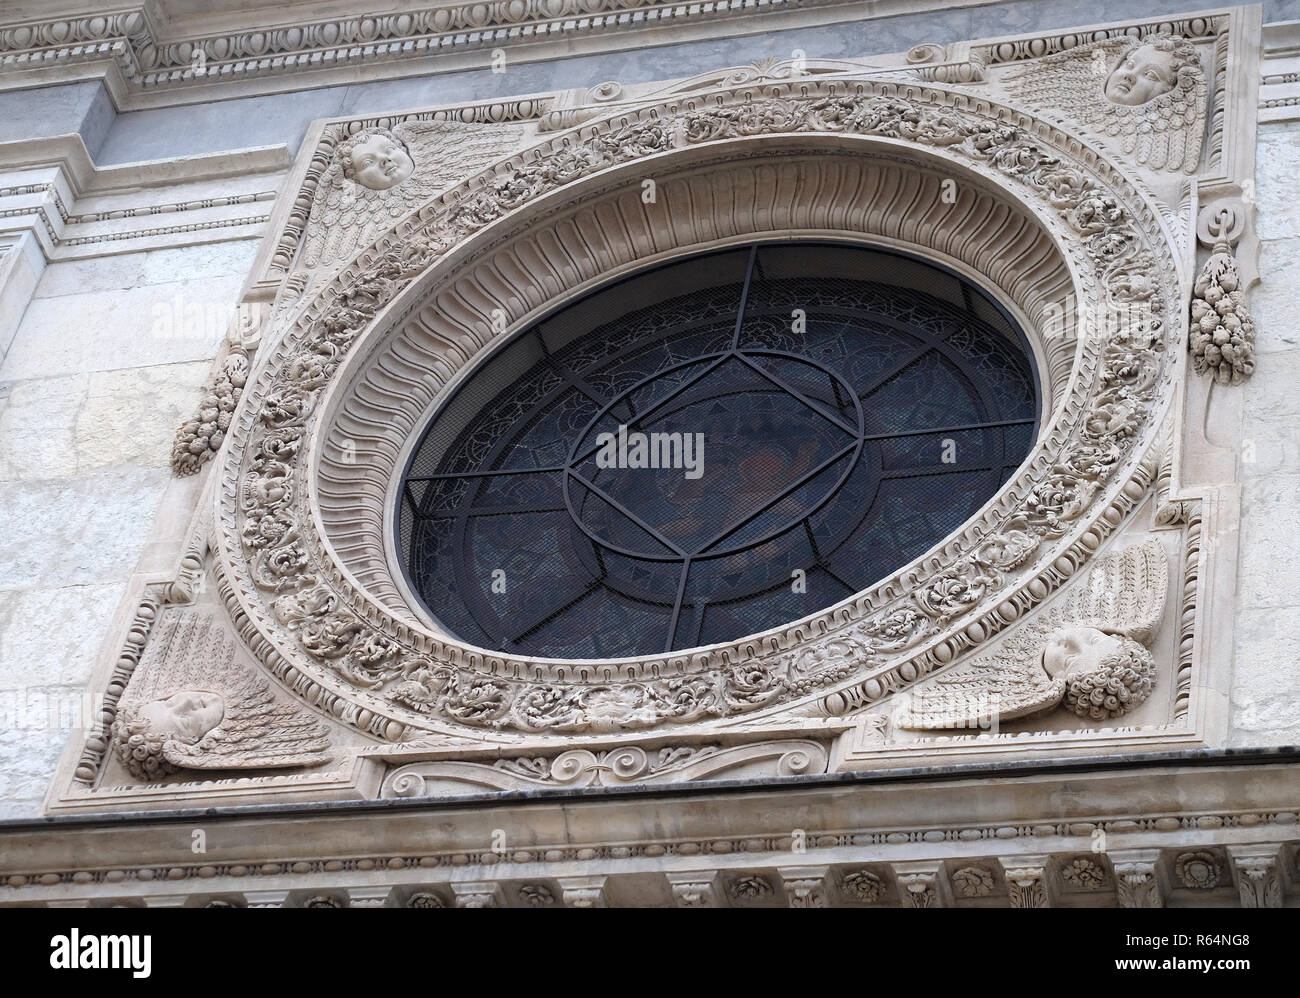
{"points": [[863, 886], [335, 644], [1199, 870], [972, 882], [750, 889], [1083, 874]]}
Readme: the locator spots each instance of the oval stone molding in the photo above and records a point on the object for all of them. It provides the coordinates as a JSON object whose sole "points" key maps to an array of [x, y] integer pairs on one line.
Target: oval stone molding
{"points": [[1041, 219]]}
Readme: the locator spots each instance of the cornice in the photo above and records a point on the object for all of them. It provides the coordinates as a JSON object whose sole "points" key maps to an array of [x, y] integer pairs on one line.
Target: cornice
{"points": [[1234, 809], [68, 153], [43, 183], [147, 55]]}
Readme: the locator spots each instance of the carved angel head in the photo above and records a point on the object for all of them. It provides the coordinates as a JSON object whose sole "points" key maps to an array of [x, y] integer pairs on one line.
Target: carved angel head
{"points": [[375, 159], [378, 175], [1087, 655], [1153, 68], [1106, 675], [189, 714], [1149, 94], [191, 704], [147, 736]]}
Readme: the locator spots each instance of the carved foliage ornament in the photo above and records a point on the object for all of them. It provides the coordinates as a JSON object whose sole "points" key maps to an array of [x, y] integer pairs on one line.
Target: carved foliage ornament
{"points": [[285, 583]]}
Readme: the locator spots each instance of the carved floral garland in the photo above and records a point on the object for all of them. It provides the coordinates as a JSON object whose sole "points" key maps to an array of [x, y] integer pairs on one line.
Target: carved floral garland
{"points": [[270, 512]]}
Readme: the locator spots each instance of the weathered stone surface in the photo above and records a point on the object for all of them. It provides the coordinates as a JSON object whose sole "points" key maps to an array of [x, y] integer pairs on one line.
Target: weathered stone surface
{"points": [[130, 416], [80, 277], [1270, 548], [1274, 303], [135, 327], [136, 270], [51, 636], [38, 428], [1276, 152], [53, 428], [80, 531], [1266, 683], [232, 258], [29, 754]]}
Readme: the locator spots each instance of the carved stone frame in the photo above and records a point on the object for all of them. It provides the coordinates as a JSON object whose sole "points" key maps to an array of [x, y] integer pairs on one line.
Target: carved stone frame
{"points": [[1085, 224], [402, 285]]}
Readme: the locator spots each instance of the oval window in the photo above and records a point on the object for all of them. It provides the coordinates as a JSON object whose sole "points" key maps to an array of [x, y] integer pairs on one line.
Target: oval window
{"points": [[712, 448]]}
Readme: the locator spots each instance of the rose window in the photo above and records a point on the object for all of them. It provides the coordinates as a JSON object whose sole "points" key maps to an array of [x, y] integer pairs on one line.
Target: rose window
{"points": [[711, 448]]}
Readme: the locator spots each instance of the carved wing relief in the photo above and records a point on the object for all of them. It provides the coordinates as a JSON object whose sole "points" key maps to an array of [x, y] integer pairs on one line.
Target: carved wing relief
{"points": [[379, 175], [190, 704], [1148, 94], [1089, 655]]}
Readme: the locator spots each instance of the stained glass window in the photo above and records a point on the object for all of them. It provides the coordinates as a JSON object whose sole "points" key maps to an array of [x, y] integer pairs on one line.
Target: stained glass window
{"points": [[711, 448]]}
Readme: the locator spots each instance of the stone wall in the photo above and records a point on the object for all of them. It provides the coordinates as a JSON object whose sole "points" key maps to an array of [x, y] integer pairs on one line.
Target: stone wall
{"points": [[106, 363], [1266, 680]]}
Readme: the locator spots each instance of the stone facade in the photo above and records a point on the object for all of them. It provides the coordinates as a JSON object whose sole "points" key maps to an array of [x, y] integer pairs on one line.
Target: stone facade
{"points": [[220, 339]]}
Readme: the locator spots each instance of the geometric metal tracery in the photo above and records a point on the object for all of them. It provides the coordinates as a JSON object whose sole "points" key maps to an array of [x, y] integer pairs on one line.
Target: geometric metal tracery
{"points": [[850, 409]]}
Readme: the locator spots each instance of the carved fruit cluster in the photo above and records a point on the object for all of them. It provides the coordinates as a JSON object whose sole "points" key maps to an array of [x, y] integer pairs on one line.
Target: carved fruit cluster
{"points": [[202, 436], [1222, 333]]}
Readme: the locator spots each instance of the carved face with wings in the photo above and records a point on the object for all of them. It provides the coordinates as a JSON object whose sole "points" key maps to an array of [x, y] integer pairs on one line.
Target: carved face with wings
{"points": [[191, 705], [377, 160], [189, 714], [1089, 656], [378, 175], [1144, 73], [1149, 95]]}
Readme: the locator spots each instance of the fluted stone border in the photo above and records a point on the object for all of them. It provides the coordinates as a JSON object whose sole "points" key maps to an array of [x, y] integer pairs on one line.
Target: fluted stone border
{"points": [[337, 643]]}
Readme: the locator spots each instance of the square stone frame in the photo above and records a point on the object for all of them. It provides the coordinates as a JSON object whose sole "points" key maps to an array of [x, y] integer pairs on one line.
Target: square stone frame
{"points": [[1183, 486]]}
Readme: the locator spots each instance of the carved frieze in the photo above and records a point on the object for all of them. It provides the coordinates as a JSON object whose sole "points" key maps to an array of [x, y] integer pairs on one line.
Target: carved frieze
{"points": [[628, 764]]}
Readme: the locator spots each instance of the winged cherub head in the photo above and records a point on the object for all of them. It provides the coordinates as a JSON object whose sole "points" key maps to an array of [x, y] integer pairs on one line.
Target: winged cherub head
{"points": [[1149, 70], [147, 734], [375, 159], [1148, 94], [1105, 675], [1087, 654], [193, 704]]}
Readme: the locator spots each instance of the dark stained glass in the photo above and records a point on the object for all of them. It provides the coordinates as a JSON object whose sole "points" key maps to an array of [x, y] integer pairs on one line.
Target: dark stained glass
{"points": [[810, 418]]}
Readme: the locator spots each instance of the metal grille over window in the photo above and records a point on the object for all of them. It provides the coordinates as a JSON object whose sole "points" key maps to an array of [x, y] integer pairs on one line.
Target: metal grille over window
{"points": [[711, 448]]}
